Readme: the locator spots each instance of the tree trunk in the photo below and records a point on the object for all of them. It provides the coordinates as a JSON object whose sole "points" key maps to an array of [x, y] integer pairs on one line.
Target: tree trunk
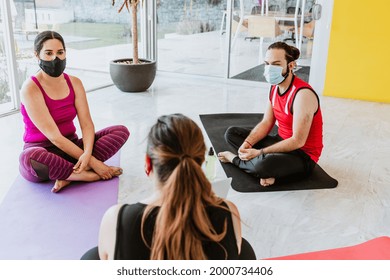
{"points": [[134, 31]]}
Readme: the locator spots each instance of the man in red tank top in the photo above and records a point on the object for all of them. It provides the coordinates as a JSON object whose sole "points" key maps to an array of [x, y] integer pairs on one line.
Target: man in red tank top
{"points": [[295, 108]]}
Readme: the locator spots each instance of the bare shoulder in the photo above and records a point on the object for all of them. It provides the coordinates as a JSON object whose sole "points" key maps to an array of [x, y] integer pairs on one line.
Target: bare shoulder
{"points": [[29, 90], [307, 98], [112, 213], [107, 233], [77, 86], [233, 208], [76, 82], [307, 94], [74, 79], [108, 225]]}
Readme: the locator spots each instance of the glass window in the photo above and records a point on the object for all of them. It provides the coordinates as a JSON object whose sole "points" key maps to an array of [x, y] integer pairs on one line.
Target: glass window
{"points": [[7, 103], [256, 24], [93, 30], [190, 37]]}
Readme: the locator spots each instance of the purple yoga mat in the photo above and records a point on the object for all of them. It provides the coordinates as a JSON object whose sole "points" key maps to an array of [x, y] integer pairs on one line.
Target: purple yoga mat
{"points": [[38, 224]]}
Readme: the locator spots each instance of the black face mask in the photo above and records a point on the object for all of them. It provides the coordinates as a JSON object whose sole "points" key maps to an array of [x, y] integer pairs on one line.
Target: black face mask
{"points": [[53, 68]]}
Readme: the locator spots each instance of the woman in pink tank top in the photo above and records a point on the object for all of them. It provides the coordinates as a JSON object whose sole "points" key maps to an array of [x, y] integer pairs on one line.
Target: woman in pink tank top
{"points": [[51, 100]]}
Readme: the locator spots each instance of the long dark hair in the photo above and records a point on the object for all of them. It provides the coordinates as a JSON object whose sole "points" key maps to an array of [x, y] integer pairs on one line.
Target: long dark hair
{"points": [[177, 150], [43, 36]]}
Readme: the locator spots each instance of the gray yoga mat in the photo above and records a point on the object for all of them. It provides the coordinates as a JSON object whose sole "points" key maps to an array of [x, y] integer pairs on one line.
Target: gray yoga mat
{"points": [[216, 125]]}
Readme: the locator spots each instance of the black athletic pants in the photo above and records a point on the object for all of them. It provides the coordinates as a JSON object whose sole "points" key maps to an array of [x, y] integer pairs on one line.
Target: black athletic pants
{"points": [[284, 167]]}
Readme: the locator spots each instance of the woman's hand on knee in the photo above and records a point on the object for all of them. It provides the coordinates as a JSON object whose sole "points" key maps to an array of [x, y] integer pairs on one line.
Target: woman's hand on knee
{"points": [[83, 163]]}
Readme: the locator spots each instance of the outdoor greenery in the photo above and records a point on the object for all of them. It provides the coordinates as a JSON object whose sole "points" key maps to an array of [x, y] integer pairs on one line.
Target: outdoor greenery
{"points": [[103, 34]]}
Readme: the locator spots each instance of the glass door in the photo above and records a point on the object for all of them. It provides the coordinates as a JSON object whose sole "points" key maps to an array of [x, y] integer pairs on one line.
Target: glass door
{"points": [[255, 24], [93, 30], [9, 101], [191, 36]]}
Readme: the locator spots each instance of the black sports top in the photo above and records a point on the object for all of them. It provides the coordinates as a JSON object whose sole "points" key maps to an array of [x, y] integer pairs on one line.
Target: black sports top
{"points": [[130, 246]]}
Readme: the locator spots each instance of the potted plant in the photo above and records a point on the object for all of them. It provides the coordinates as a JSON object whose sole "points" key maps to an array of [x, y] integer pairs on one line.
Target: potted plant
{"points": [[132, 74]]}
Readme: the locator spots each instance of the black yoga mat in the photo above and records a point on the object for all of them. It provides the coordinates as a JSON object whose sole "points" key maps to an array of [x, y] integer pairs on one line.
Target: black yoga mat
{"points": [[216, 125]]}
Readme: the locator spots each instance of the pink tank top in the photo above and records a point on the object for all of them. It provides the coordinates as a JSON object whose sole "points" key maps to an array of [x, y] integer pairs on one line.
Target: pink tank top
{"points": [[63, 112], [282, 108]]}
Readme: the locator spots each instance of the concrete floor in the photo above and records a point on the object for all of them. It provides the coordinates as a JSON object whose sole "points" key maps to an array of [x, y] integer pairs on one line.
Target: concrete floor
{"points": [[356, 153]]}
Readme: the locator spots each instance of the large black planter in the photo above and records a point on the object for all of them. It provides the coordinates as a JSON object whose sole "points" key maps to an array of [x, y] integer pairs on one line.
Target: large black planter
{"points": [[132, 77]]}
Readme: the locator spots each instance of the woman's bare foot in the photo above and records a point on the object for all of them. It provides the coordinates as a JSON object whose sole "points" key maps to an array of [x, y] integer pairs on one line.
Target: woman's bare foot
{"points": [[116, 171], [59, 184], [83, 176], [267, 182], [226, 156]]}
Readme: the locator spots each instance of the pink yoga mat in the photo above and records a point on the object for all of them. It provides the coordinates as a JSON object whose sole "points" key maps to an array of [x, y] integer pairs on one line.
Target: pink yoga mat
{"points": [[38, 224], [374, 249]]}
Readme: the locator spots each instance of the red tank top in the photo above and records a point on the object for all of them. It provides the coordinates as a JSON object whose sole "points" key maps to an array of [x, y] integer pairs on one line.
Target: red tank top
{"points": [[63, 112], [282, 105]]}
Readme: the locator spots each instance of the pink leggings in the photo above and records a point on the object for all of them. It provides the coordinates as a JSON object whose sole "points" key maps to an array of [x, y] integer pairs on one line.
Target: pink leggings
{"points": [[43, 161]]}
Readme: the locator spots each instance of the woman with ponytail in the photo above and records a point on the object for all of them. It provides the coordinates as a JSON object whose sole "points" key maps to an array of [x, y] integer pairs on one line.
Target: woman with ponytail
{"points": [[184, 219]]}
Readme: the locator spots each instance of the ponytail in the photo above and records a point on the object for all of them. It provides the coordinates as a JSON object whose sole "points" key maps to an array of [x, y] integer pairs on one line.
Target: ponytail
{"points": [[182, 222]]}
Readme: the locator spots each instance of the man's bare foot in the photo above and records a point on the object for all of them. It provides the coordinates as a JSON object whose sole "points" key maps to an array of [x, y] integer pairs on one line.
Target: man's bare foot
{"points": [[116, 171], [59, 184], [267, 182], [226, 156]]}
